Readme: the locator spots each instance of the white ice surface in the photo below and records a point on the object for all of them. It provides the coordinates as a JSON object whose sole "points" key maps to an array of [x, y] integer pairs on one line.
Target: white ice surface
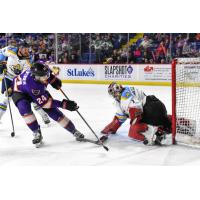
{"points": [[60, 147]]}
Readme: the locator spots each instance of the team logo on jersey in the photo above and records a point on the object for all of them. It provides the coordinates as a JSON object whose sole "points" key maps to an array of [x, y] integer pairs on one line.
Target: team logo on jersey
{"points": [[128, 94], [35, 92]]}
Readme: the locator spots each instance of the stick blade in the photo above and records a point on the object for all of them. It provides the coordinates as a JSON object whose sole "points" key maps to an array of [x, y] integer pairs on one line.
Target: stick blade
{"points": [[106, 148], [12, 134]]}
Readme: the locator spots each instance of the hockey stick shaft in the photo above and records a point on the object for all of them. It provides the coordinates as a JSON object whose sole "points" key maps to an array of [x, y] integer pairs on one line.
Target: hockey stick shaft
{"points": [[106, 148], [11, 117]]}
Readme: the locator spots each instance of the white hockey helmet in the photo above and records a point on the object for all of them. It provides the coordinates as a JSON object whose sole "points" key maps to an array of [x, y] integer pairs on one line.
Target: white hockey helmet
{"points": [[115, 89]]}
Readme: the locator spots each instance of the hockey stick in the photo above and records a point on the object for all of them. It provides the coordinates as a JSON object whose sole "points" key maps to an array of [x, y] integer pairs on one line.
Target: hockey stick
{"points": [[88, 140], [102, 139], [13, 128], [100, 142]]}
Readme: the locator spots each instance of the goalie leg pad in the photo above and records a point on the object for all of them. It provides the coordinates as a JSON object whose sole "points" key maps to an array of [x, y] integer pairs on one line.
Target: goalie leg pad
{"points": [[112, 127], [136, 130]]}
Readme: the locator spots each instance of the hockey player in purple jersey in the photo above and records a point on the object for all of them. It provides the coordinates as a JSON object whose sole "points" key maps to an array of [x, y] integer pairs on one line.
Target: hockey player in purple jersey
{"points": [[30, 86]]}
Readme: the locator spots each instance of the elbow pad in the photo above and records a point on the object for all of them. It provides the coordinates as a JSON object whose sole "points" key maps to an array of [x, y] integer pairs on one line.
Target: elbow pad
{"points": [[55, 82]]}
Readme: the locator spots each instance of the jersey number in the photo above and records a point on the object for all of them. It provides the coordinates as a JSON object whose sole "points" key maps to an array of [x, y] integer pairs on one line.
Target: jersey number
{"points": [[41, 99]]}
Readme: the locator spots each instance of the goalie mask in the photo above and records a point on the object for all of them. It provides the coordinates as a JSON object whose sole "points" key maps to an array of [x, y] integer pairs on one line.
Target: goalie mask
{"points": [[115, 90]]}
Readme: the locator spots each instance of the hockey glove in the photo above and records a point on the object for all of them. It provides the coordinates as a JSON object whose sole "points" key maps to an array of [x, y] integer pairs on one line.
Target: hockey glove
{"points": [[2, 67], [69, 105], [9, 92]]}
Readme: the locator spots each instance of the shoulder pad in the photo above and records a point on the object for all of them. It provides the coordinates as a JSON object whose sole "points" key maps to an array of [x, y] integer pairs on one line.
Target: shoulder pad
{"points": [[12, 50], [126, 94]]}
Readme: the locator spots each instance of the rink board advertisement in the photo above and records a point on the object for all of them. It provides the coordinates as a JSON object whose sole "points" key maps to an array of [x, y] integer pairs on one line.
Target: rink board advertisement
{"points": [[119, 72], [141, 74], [155, 73]]}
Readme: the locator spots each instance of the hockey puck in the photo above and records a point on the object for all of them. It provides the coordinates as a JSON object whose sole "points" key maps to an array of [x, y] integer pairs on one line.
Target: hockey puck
{"points": [[145, 142], [12, 134]]}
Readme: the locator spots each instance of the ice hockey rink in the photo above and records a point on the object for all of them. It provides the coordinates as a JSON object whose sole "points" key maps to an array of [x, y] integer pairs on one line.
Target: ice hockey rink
{"points": [[60, 147]]}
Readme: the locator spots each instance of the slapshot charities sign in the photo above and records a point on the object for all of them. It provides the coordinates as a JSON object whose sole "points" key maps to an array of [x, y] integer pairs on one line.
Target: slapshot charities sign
{"points": [[118, 72]]}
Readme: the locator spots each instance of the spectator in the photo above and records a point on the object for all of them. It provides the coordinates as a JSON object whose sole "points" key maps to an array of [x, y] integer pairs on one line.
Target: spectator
{"points": [[137, 55], [146, 43], [161, 52], [99, 47], [146, 57]]}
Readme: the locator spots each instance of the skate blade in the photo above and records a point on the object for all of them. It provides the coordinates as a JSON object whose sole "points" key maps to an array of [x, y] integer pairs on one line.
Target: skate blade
{"points": [[38, 145]]}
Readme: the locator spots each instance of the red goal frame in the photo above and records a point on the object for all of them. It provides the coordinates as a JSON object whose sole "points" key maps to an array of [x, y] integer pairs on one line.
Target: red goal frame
{"points": [[173, 67]]}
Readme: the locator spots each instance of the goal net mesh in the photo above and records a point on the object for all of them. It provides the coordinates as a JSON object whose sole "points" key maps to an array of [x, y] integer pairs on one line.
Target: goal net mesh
{"points": [[188, 100]]}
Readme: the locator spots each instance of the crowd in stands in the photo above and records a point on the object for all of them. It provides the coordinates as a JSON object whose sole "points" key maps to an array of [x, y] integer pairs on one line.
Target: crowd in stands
{"points": [[106, 47], [41, 45]]}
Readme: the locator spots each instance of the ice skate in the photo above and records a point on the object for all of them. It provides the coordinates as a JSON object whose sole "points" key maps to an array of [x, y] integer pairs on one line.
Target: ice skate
{"points": [[37, 140], [78, 135]]}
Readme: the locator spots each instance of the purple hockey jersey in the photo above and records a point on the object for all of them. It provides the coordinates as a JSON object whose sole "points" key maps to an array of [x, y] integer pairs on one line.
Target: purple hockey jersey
{"points": [[26, 84]]}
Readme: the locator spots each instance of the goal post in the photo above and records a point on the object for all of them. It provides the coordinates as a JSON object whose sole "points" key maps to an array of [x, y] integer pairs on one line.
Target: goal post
{"points": [[186, 101]]}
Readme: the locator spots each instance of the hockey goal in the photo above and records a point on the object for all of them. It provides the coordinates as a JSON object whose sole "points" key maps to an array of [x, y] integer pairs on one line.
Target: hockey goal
{"points": [[186, 101]]}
